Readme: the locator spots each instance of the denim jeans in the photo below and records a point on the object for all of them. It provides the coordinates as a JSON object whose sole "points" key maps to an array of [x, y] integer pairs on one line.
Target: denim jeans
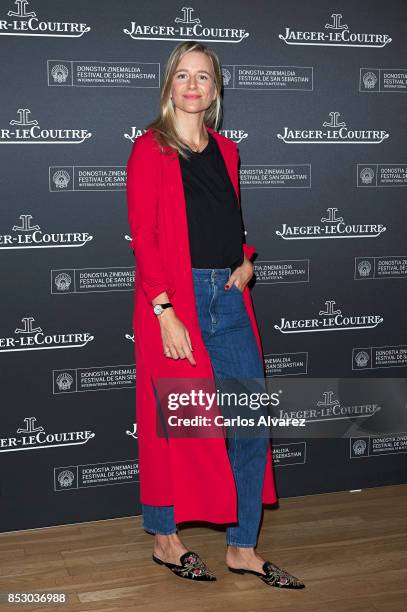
{"points": [[229, 339]]}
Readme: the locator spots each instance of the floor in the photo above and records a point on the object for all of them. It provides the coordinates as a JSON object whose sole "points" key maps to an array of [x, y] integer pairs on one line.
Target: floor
{"points": [[350, 549]]}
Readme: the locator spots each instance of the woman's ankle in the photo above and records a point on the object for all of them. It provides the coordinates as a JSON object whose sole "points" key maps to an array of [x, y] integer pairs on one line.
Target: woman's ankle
{"points": [[171, 537], [167, 542], [248, 551]]}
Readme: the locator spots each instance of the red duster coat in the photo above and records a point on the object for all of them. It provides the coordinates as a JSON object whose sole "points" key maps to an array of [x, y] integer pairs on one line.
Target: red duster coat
{"points": [[192, 474]]}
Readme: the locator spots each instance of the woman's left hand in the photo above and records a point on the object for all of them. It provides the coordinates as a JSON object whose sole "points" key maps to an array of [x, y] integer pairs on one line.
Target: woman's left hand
{"points": [[241, 275]]}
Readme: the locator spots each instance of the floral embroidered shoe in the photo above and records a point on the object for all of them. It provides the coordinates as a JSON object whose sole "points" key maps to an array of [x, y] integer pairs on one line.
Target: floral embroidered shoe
{"points": [[273, 576], [191, 567]]}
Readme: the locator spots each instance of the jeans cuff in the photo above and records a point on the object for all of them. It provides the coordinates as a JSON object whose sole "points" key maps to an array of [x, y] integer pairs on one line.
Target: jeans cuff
{"points": [[241, 545], [155, 532]]}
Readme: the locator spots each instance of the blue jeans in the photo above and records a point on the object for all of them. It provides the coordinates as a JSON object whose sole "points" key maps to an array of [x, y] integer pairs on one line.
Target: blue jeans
{"points": [[229, 339]]}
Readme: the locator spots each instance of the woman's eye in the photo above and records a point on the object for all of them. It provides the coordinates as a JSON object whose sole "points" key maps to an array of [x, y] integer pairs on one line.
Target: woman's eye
{"points": [[202, 76]]}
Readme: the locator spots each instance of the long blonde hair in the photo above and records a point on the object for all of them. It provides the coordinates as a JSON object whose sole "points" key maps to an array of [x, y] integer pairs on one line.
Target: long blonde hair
{"points": [[164, 125]]}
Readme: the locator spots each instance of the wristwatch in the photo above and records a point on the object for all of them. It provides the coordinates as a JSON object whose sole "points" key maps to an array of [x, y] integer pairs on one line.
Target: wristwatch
{"points": [[159, 308]]}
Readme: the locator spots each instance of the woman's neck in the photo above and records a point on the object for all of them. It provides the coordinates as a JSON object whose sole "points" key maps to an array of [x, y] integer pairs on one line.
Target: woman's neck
{"points": [[192, 129]]}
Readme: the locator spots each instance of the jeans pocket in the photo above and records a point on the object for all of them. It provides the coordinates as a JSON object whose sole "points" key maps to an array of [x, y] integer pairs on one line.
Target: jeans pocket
{"points": [[237, 289]]}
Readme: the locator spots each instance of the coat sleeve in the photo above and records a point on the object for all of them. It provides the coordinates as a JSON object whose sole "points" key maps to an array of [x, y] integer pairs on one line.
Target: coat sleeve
{"points": [[142, 205], [248, 249]]}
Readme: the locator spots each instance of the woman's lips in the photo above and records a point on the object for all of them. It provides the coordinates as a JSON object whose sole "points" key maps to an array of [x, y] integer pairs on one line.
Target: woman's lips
{"points": [[192, 97]]}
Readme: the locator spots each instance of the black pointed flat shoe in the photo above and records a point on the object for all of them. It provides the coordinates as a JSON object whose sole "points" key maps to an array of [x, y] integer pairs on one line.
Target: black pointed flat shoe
{"points": [[192, 567], [273, 576]]}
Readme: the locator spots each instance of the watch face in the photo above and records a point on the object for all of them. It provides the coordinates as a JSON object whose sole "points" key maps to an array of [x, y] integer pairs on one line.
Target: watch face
{"points": [[158, 309]]}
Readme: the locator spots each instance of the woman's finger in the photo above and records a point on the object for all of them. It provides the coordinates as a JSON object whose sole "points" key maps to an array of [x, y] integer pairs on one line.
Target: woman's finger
{"points": [[190, 357], [230, 282], [181, 352], [189, 339], [173, 352]]}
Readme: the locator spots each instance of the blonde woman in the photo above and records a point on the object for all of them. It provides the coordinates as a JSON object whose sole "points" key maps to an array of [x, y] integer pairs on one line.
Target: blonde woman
{"points": [[193, 317]]}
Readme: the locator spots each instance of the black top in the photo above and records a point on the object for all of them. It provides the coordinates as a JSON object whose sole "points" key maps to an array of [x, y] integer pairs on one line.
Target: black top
{"points": [[215, 224]]}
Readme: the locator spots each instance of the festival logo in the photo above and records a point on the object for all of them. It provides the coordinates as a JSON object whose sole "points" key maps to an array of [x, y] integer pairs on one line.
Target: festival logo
{"points": [[87, 178], [285, 364], [89, 280], [383, 80], [380, 267], [375, 357], [282, 271], [382, 175], [96, 378], [271, 78], [359, 447], [267, 176], [96, 73], [71, 477], [374, 446], [292, 453]]}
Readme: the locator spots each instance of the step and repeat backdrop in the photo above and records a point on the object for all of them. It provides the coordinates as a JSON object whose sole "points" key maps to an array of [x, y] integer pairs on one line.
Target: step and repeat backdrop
{"points": [[315, 97]]}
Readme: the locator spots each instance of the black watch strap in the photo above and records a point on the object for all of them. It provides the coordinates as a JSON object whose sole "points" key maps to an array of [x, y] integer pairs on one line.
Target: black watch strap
{"points": [[158, 308]]}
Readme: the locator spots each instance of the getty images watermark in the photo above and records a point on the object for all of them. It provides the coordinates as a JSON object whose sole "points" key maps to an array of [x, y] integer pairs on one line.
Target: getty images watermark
{"points": [[281, 407], [208, 401]]}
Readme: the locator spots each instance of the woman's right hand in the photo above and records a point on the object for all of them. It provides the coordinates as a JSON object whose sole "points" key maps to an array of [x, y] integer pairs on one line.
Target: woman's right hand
{"points": [[176, 341]]}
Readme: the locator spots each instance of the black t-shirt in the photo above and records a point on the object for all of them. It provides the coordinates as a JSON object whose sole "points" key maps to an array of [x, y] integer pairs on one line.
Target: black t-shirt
{"points": [[215, 224]]}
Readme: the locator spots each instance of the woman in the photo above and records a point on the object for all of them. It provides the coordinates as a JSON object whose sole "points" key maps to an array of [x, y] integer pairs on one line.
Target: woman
{"points": [[193, 318]]}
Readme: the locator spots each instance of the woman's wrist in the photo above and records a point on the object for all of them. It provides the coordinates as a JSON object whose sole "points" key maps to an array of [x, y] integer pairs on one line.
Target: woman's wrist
{"points": [[166, 315]]}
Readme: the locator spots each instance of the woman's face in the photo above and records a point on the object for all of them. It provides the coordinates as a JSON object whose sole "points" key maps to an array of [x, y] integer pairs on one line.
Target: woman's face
{"points": [[193, 84]]}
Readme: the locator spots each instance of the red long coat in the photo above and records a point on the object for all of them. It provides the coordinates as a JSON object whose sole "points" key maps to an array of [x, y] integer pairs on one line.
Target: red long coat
{"points": [[193, 474]]}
